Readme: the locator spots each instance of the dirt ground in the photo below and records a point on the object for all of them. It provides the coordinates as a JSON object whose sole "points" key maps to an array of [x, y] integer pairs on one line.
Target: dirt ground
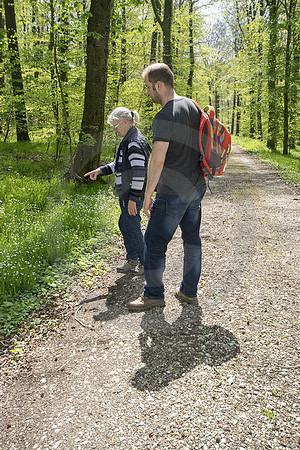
{"points": [[221, 375]]}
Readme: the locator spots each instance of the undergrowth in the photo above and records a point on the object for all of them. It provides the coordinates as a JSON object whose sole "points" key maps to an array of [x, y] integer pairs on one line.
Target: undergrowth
{"points": [[44, 221]]}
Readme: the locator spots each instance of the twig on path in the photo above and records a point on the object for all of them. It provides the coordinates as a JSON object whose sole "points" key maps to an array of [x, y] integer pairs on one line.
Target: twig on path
{"points": [[79, 321]]}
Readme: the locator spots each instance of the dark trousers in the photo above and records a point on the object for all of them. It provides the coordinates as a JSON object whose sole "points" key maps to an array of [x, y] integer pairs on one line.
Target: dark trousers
{"points": [[169, 211], [130, 227]]}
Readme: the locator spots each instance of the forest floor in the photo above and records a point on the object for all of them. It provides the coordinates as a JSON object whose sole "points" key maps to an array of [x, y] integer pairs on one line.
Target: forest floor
{"points": [[221, 374]]}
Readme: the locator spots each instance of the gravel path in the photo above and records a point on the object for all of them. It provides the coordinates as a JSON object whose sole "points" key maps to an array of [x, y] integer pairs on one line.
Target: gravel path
{"points": [[221, 375]]}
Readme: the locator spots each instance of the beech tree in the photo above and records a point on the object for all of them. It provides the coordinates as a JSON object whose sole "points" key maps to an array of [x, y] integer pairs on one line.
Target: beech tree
{"points": [[292, 42], [166, 26], [16, 71], [92, 125]]}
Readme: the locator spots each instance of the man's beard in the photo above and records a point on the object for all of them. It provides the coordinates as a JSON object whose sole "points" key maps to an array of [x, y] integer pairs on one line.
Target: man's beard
{"points": [[156, 97]]}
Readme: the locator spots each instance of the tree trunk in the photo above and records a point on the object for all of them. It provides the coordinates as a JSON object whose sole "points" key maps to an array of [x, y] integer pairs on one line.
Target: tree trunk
{"points": [[191, 52], [260, 74], [114, 79], [271, 73], [63, 63], [286, 92], [123, 69], [53, 90], [252, 113], [294, 123], [290, 13], [154, 38], [233, 111], [217, 103], [16, 72], [165, 25], [238, 114], [2, 84], [88, 151]]}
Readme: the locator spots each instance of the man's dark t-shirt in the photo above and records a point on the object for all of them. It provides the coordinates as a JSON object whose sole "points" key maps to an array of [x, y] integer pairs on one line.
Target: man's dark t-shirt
{"points": [[178, 123]]}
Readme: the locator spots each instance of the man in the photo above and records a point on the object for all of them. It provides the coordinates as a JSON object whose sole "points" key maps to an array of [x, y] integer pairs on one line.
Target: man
{"points": [[174, 172]]}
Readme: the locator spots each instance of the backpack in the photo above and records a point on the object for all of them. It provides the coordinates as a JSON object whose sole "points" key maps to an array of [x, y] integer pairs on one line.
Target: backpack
{"points": [[214, 143]]}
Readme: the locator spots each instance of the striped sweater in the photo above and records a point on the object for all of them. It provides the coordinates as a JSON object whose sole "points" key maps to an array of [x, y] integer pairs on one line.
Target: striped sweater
{"points": [[130, 166]]}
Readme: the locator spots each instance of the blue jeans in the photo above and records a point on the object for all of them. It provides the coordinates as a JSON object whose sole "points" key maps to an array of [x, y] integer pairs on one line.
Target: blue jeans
{"points": [[169, 211], [130, 227]]}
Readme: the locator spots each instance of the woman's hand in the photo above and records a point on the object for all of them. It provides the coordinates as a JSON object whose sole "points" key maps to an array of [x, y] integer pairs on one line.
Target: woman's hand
{"points": [[93, 174], [132, 211]]}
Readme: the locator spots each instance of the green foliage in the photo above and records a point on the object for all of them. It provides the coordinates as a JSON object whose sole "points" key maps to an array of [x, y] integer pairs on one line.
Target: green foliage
{"points": [[287, 165], [269, 414], [42, 221]]}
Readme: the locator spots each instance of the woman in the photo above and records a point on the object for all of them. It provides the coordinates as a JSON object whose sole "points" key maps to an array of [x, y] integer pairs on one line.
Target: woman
{"points": [[130, 168]]}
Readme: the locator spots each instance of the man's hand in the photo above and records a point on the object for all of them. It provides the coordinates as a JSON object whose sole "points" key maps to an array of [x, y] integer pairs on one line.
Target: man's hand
{"points": [[155, 167], [147, 206], [93, 174], [132, 211]]}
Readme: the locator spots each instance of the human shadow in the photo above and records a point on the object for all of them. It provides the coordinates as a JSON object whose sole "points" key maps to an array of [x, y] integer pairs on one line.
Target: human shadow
{"points": [[126, 288], [170, 350]]}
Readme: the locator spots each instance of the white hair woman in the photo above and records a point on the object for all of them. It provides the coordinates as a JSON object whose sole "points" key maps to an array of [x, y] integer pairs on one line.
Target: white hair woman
{"points": [[130, 169]]}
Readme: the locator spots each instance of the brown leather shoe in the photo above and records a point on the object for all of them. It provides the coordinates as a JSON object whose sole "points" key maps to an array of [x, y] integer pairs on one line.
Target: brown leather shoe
{"points": [[129, 266], [144, 303], [184, 298]]}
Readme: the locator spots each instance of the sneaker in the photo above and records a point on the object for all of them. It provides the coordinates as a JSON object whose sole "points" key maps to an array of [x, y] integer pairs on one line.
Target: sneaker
{"points": [[184, 298], [129, 266], [144, 303]]}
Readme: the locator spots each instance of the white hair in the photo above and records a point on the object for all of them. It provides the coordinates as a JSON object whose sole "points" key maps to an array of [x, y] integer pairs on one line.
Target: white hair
{"points": [[121, 113]]}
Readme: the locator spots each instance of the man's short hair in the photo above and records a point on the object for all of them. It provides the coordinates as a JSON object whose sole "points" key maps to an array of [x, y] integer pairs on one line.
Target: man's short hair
{"points": [[159, 72]]}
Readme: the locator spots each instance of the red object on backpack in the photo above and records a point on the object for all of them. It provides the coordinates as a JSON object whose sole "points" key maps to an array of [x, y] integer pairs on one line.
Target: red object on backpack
{"points": [[214, 143]]}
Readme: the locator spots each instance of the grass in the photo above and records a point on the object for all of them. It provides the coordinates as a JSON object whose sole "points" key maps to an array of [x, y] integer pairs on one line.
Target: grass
{"points": [[287, 165], [45, 222]]}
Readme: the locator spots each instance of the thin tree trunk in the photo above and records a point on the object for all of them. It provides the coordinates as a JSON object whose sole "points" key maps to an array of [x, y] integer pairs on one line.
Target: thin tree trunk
{"points": [[166, 26], [54, 101], [286, 92], [59, 80], [154, 38], [63, 63], [272, 114], [252, 113], [238, 114], [294, 123], [233, 111], [290, 12], [217, 103], [209, 92], [260, 75], [16, 72], [123, 68], [191, 51], [114, 79], [2, 83]]}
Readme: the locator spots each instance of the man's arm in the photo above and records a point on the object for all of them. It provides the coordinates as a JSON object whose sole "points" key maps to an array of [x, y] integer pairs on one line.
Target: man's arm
{"points": [[155, 166]]}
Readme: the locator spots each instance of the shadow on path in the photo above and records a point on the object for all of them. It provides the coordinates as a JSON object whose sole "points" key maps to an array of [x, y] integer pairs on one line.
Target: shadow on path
{"points": [[171, 350], [126, 288]]}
